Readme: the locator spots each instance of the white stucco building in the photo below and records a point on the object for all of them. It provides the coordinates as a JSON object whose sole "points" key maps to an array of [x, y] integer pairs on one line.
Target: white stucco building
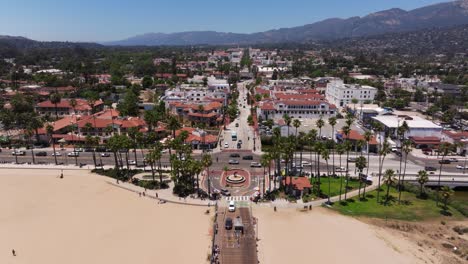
{"points": [[341, 94]]}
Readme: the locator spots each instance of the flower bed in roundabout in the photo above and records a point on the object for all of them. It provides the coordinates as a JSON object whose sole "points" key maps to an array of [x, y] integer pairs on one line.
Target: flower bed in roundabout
{"points": [[235, 178]]}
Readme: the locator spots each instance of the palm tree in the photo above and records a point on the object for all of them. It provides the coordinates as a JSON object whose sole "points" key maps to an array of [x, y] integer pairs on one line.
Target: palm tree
{"points": [[207, 162], [140, 140], [151, 118], [446, 194], [50, 131], [389, 179], [360, 165], [132, 134], [288, 148], [73, 128], [406, 148], [340, 149], [422, 179], [265, 162], [29, 134], [444, 148], [319, 148], [296, 125], [151, 159], [401, 135], [114, 144], [91, 142], [383, 152], [287, 120], [311, 137], [55, 98], [332, 123], [173, 125], [346, 130], [326, 156], [367, 137], [320, 123]]}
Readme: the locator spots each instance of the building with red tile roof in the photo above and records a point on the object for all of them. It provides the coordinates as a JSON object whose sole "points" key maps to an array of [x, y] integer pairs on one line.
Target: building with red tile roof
{"points": [[64, 108], [199, 139], [300, 185]]}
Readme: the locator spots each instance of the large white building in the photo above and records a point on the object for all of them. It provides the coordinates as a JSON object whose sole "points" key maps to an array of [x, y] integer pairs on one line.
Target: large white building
{"points": [[418, 127], [341, 94], [295, 109]]}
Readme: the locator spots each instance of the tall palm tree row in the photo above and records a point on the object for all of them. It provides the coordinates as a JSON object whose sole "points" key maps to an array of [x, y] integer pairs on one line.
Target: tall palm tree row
{"points": [[332, 123], [444, 149], [340, 150], [389, 180], [360, 165], [50, 131], [367, 137], [406, 149]]}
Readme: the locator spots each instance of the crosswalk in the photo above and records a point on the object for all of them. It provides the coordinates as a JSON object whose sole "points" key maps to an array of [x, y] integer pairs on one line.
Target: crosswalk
{"points": [[237, 198]]}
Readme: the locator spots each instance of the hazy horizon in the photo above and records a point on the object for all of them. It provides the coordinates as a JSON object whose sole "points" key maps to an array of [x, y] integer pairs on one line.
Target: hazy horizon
{"points": [[87, 21]]}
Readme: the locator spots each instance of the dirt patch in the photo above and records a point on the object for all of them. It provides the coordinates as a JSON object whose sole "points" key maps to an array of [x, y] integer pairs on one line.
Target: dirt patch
{"points": [[436, 242]]}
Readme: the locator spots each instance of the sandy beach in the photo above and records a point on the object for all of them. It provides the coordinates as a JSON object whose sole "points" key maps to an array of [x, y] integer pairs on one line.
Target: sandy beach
{"points": [[321, 236], [83, 219]]}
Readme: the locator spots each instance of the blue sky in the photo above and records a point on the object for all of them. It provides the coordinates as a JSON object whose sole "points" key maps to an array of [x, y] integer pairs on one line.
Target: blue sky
{"points": [[104, 20]]}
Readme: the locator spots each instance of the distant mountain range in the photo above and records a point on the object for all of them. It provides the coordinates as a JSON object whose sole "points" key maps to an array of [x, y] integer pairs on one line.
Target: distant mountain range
{"points": [[393, 20], [25, 43]]}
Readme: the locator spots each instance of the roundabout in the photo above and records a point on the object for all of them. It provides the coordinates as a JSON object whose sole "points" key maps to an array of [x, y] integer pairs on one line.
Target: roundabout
{"points": [[235, 178]]}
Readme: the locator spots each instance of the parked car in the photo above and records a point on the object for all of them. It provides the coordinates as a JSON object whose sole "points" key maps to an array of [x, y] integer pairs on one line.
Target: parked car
{"points": [[237, 124], [234, 155], [255, 164], [58, 154], [233, 161], [248, 157], [351, 159], [226, 145], [79, 150], [73, 154], [105, 155], [225, 192], [41, 154], [306, 163], [460, 167], [340, 169], [18, 153], [446, 161], [453, 160], [232, 206], [240, 141], [429, 168], [132, 162], [228, 223]]}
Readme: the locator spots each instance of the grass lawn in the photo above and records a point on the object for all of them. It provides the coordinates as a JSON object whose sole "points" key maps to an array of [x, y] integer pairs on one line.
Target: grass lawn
{"points": [[411, 208], [335, 185]]}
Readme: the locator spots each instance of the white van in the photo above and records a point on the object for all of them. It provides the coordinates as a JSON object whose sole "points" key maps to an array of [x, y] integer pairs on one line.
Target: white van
{"points": [[232, 206]]}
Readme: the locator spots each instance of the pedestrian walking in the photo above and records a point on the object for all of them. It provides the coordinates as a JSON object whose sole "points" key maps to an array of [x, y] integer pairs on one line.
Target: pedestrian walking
{"points": [[156, 195], [139, 194], [13, 252]]}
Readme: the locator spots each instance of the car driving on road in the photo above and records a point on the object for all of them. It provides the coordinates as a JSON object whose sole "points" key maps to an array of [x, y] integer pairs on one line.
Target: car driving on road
{"points": [[73, 154], [105, 155], [232, 206], [255, 165], [233, 161], [18, 153]]}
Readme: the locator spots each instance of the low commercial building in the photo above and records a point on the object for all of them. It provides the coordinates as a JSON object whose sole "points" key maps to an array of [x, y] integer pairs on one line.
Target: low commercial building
{"points": [[418, 126]]}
